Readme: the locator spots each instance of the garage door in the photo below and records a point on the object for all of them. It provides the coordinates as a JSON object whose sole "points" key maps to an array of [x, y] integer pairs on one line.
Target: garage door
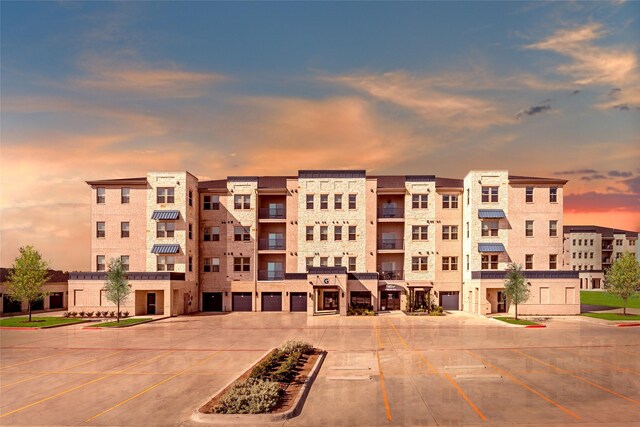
{"points": [[212, 301], [242, 301], [9, 305], [299, 301], [272, 301], [449, 300]]}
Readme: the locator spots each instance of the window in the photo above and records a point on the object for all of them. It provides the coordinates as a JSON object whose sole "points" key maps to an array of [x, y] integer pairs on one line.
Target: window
{"points": [[529, 195], [419, 263], [190, 264], [528, 228], [450, 263], [450, 201], [553, 195], [420, 201], [591, 255], [324, 201], [211, 234], [309, 262], [352, 232], [449, 232], [352, 263], [100, 263], [337, 261], [579, 242], [468, 196], [100, 229], [190, 231], [591, 242], [241, 234], [467, 262], [242, 201], [211, 265], [165, 229], [124, 260], [310, 201], [309, 233], [124, 229], [337, 232], [419, 232], [241, 264], [337, 201], [574, 242], [528, 262], [489, 262], [580, 255], [125, 195], [190, 198], [324, 231], [573, 255], [489, 194], [352, 201], [553, 229], [489, 228], [166, 263], [165, 195], [467, 230], [553, 262], [100, 195], [324, 261], [211, 203], [618, 242], [206, 234]]}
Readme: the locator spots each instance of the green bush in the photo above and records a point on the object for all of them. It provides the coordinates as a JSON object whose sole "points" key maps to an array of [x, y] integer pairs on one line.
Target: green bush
{"points": [[263, 370], [437, 311], [66, 314], [296, 346], [287, 370], [252, 396]]}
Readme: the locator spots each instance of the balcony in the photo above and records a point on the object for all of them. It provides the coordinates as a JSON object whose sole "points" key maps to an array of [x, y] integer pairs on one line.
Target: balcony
{"points": [[270, 275], [391, 275], [271, 244], [272, 213], [607, 247], [390, 213], [390, 244]]}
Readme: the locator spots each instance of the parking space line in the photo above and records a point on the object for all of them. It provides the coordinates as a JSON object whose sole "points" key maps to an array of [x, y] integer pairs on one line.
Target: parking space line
{"points": [[517, 381], [610, 365], [42, 374], [151, 387], [445, 375], [34, 360], [95, 380], [578, 377], [382, 385]]}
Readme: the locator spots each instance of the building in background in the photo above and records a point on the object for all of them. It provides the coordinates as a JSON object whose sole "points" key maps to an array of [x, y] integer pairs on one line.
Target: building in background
{"points": [[56, 298], [325, 240], [591, 249]]}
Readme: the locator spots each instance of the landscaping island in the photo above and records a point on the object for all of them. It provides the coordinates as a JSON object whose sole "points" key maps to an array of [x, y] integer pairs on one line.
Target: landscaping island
{"points": [[272, 386], [37, 322]]}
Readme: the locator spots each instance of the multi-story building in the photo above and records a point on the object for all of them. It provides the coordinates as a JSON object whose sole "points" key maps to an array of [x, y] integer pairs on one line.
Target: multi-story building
{"points": [[591, 249], [55, 298], [324, 240]]}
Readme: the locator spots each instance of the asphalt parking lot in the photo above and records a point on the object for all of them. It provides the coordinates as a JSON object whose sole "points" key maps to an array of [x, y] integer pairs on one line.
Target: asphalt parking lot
{"points": [[385, 370]]}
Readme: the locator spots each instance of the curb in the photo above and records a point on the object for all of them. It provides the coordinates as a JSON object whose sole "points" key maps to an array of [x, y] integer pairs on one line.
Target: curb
{"points": [[626, 325], [65, 324], [123, 326], [535, 326], [258, 419], [18, 328]]}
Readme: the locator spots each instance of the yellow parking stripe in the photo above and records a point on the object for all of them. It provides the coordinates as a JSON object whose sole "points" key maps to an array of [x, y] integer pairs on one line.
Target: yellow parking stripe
{"points": [[35, 360], [382, 384]]}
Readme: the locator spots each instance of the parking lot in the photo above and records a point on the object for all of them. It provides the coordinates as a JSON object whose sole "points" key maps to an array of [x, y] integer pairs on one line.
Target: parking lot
{"points": [[384, 370]]}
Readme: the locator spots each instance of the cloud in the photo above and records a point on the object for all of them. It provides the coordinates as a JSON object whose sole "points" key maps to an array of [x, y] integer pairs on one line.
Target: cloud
{"points": [[614, 92], [536, 109], [575, 92], [592, 177], [621, 174], [601, 202], [633, 185], [576, 172]]}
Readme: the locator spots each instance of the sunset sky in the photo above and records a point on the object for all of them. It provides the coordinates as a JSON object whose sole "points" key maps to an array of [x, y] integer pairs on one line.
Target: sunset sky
{"points": [[93, 90]]}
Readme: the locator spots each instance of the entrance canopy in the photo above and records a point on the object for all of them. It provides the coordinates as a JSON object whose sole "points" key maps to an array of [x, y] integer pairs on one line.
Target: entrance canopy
{"points": [[391, 287]]}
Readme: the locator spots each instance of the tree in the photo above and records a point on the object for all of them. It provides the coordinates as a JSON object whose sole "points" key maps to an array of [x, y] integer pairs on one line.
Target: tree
{"points": [[515, 288], [117, 287], [623, 278], [28, 274]]}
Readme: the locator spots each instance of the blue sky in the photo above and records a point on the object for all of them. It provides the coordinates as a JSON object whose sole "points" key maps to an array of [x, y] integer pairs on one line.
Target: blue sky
{"points": [[104, 89]]}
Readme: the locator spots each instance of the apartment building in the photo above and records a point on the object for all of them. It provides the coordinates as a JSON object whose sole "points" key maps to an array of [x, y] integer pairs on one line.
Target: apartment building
{"points": [[323, 240], [591, 249]]}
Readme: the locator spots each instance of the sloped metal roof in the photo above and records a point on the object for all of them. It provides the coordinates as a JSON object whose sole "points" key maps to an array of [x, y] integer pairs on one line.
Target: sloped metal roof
{"points": [[165, 215]]}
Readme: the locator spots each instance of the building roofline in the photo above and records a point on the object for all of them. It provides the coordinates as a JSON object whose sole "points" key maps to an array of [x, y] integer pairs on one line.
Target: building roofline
{"points": [[518, 179], [605, 231], [119, 181]]}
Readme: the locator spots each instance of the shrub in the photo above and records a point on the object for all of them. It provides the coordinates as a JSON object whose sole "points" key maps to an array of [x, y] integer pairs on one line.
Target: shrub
{"points": [[81, 314], [66, 314], [72, 314], [287, 370], [263, 370], [97, 313], [437, 311], [252, 396], [296, 346], [105, 313], [89, 313], [112, 314], [125, 314]]}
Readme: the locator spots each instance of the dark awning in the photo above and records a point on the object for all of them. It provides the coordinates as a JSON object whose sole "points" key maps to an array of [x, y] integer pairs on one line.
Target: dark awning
{"points": [[165, 249], [491, 247], [392, 287], [165, 215], [491, 213]]}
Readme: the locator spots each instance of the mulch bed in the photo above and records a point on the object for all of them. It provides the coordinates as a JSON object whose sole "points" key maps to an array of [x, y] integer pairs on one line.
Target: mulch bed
{"points": [[291, 390]]}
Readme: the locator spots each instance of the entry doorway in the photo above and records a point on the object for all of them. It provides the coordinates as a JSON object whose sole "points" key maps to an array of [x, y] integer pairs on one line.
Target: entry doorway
{"points": [[329, 300], [55, 300], [151, 303], [502, 303], [389, 300]]}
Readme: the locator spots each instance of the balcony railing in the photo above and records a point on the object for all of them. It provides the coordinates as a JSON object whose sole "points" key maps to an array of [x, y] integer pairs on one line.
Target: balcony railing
{"points": [[607, 247], [272, 244], [384, 244], [390, 212], [391, 274], [272, 213], [270, 275]]}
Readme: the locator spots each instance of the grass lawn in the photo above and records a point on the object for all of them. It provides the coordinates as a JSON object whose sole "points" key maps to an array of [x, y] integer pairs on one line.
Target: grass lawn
{"points": [[123, 322], [37, 322], [613, 316], [604, 298], [516, 322]]}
